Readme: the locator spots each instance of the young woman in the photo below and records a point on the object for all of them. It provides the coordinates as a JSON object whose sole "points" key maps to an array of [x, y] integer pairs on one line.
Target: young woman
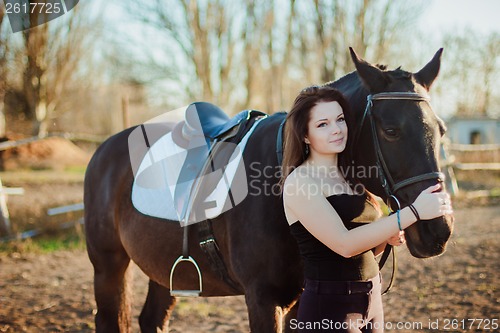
{"points": [[324, 209]]}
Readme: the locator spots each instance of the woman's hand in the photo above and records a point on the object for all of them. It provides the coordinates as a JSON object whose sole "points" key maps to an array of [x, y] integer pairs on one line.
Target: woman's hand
{"points": [[398, 239], [431, 204]]}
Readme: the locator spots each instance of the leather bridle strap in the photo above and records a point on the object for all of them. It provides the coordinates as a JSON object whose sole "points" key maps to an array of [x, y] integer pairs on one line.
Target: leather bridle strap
{"points": [[390, 186], [426, 176]]}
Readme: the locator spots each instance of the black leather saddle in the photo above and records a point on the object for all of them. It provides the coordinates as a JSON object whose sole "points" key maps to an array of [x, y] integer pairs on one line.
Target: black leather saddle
{"points": [[214, 122]]}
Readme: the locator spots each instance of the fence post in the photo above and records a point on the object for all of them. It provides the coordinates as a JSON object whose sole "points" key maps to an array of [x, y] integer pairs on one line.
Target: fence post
{"points": [[447, 165], [4, 213]]}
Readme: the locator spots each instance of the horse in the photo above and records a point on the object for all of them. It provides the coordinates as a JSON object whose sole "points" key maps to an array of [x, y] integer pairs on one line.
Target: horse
{"points": [[397, 134]]}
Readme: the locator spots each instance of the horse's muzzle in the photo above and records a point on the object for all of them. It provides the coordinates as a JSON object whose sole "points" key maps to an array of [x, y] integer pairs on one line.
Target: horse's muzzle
{"points": [[428, 238]]}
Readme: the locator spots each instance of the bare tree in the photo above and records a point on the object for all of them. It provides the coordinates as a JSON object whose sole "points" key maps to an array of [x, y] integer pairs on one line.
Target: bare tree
{"points": [[475, 65], [372, 27], [250, 38], [260, 53], [3, 71], [204, 34], [35, 74], [489, 67], [54, 52]]}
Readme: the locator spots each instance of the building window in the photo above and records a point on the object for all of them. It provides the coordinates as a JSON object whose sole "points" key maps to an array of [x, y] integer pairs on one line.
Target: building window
{"points": [[475, 138]]}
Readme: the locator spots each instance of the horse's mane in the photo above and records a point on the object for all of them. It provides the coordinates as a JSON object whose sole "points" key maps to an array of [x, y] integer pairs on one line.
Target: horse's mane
{"points": [[348, 76], [397, 73]]}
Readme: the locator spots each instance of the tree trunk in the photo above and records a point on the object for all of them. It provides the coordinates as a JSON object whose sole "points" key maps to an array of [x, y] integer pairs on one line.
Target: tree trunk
{"points": [[35, 75], [2, 113]]}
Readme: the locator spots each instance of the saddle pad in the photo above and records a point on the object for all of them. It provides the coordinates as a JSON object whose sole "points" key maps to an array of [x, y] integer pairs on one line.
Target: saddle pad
{"points": [[156, 182]]}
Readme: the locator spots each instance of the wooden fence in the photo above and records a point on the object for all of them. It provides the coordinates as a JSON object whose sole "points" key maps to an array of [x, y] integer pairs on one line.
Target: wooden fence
{"points": [[476, 157], [468, 158], [73, 137], [5, 226]]}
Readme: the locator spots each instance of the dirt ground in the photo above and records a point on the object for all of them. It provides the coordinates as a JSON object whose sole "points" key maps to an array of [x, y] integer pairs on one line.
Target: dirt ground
{"points": [[456, 292], [54, 292]]}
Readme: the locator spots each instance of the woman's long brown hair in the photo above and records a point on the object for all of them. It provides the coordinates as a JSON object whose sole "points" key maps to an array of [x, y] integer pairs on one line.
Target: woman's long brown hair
{"points": [[295, 131], [294, 148]]}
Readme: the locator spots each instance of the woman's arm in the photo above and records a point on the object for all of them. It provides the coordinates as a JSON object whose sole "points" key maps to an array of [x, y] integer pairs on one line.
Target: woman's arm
{"points": [[322, 221]]}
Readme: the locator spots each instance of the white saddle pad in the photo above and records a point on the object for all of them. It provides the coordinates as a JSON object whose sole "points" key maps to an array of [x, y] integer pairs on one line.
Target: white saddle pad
{"points": [[154, 190]]}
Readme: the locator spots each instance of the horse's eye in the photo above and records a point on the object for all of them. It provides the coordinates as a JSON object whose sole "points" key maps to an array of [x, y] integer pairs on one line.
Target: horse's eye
{"points": [[391, 133]]}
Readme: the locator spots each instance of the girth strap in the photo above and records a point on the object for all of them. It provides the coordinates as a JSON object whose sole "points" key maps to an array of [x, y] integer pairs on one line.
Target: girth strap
{"points": [[209, 246], [279, 143]]}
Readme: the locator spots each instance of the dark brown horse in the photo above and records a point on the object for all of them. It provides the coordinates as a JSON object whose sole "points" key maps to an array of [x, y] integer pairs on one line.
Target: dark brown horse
{"points": [[398, 134]]}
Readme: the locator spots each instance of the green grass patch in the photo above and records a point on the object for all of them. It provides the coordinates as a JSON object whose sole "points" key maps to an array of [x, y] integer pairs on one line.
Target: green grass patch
{"points": [[77, 169], [68, 240], [495, 192]]}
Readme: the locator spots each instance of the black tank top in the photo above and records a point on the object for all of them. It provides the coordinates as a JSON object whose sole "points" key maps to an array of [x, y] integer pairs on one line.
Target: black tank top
{"points": [[320, 262]]}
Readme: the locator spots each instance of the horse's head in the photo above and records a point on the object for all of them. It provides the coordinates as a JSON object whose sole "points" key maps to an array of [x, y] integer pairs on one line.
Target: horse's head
{"points": [[401, 134]]}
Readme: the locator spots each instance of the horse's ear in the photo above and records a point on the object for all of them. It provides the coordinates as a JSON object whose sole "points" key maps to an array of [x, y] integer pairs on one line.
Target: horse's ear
{"points": [[428, 74], [372, 77]]}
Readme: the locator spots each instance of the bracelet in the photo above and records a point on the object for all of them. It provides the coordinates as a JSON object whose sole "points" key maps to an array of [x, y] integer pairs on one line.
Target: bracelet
{"points": [[399, 220], [414, 211]]}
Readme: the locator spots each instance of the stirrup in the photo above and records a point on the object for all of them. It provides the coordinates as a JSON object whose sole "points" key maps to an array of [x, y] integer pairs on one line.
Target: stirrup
{"points": [[185, 293]]}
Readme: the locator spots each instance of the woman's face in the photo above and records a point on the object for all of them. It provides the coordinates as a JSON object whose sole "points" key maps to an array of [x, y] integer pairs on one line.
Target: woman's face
{"points": [[327, 129]]}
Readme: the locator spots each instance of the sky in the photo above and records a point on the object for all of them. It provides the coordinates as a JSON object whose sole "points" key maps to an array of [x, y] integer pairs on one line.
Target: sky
{"points": [[481, 15], [455, 15], [439, 17]]}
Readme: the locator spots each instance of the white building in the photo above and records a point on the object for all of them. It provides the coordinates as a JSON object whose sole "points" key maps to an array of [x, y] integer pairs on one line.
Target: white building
{"points": [[473, 130]]}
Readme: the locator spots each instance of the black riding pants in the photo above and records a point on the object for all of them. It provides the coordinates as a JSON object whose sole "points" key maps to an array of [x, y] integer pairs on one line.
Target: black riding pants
{"points": [[341, 306]]}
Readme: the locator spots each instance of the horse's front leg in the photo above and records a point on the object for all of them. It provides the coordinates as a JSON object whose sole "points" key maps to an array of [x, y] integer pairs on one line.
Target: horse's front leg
{"points": [[264, 314]]}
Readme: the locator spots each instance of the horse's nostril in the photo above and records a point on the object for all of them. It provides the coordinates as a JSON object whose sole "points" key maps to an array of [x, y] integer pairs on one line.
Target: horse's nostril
{"points": [[440, 229]]}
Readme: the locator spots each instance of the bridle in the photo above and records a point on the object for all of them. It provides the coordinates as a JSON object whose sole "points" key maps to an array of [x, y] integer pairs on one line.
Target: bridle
{"points": [[390, 186]]}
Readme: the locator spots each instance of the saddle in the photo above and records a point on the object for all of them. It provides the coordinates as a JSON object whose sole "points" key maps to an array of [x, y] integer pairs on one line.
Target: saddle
{"points": [[188, 174], [213, 121], [193, 174]]}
